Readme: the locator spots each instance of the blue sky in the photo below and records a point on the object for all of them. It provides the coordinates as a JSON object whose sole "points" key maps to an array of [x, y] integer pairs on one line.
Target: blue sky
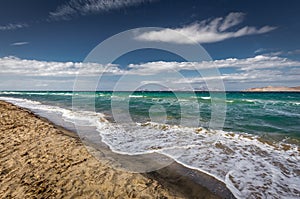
{"points": [[252, 43]]}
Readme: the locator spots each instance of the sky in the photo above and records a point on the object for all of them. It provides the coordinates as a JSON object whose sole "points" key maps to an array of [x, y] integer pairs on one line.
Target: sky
{"points": [[47, 45]]}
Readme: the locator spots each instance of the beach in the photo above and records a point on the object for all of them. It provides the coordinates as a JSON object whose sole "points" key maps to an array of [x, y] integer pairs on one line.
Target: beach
{"points": [[74, 142], [41, 160]]}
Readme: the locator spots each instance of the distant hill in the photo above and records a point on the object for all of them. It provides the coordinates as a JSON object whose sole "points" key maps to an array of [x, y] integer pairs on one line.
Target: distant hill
{"points": [[274, 89]]}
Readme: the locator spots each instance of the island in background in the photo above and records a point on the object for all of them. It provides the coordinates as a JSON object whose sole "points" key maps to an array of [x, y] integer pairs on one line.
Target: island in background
{"points": [[274, 89]]}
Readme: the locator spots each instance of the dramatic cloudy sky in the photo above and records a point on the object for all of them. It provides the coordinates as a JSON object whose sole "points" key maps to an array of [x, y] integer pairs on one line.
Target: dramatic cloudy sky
{"points": [[43, 44]]}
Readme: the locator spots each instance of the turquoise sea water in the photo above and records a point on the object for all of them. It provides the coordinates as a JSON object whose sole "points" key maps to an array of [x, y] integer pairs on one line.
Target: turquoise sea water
{"points": [[256, 153], [255, 113]]}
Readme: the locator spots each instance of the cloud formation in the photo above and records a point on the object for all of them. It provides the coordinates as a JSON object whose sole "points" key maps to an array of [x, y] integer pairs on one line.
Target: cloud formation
{"points": [[264, 70], [85, 7], [259, 69], [13, 26], [19, 43], [259, 76], [206, 31], [247, 64], [276, 52], [14, 65], [23, 67]]}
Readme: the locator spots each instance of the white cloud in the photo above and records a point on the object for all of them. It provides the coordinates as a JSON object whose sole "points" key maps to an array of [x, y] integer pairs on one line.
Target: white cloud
{"points": [[22, 67], [84, 7], [232, 19], [262, 76], [206, 31], [13, 26], [259, 69], [294, 52], [294, 71], [276, 52], [269, 52], [19, 43], [246, 79], [14, 65], [260, 51], [257, 62]]}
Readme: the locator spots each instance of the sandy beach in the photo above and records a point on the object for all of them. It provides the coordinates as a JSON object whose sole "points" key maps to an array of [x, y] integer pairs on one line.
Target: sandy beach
{"points": [[40, 160]]}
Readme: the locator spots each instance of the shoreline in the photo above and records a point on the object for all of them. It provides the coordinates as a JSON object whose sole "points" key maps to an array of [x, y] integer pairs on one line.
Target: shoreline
{"points": [[173, 181]]}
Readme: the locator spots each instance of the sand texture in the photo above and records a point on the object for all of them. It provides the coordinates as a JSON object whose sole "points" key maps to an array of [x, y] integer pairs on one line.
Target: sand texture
{"points": [[40, 160]]}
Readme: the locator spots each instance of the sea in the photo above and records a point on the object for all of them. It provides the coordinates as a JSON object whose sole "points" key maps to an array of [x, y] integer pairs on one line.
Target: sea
{"points": [[254, 149]]}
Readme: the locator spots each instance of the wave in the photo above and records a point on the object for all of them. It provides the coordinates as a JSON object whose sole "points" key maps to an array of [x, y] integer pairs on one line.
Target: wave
{"points": [[80, 117], [206, 98], [249, 166], [242, 161], [136, 96], [270, 102], [36, 93], [283, 112]]}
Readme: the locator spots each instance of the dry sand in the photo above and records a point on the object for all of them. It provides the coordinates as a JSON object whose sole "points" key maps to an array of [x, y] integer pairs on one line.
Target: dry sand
{"points": [[40, 160]]}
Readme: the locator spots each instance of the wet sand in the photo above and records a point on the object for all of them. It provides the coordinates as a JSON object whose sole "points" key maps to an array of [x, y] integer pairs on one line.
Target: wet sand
{"points": [[41, 160]]}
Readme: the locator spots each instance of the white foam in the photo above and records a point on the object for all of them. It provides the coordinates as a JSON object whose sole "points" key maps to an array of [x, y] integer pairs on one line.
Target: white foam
{"points": [[85, 118], [249, 100], [38, 93], [136, 96], [271, 102], [19, 101], [10, 92], [282, 112], [249, 167], [295, 103], [206, 98]]}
